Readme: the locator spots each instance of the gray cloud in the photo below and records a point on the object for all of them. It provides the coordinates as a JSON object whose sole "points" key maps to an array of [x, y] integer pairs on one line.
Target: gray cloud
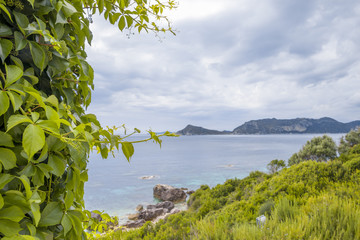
{"points": [[231, 62]]}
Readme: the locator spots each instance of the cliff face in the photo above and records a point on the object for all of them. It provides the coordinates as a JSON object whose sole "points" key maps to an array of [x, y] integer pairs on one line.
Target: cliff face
{"points": [[194, 130], [298, 125], [279, 126]]}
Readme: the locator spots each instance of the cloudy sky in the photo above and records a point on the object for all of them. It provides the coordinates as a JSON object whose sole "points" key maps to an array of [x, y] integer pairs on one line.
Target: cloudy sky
{"points": [[231, 61]]}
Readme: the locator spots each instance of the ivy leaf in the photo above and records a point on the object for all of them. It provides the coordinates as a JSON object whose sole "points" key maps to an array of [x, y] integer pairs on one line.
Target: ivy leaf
{"points": [[5, 48], [5, 30], [15, 120], [121, 23], [57, 164], [6, 140], [5, 10], [5, 179], [7, 158], [12, 213], [33, 139], [129, 21], [9, 228], [127, 149], [66, 223], [13, 73], [31, 2], [38, 55], [69, 199], [20, 41], [35, 209], [4, 102], [15, 100], [26, 184], [21, 20], [49, 125], [51, 215], [1, 201]]}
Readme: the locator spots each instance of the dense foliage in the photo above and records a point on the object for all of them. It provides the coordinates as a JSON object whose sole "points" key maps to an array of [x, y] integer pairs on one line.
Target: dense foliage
{"points": [[350, 140], [45, 133], [318, 149], [309, 200]]}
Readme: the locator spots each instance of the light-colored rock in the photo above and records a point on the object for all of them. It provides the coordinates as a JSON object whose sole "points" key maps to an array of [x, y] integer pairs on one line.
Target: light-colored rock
{"points": [[133, 216], [139, 207]]}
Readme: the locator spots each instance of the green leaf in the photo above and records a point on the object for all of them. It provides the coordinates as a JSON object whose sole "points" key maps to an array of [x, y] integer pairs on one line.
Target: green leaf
{"points": [[35, 116], [17, 62], [5, 30], [9, 228], [20, 41], [5, 48], [12, 213], [21, 20], [13, 73], [5, 179], [6, 140], [127, 149], [121, 23], [69, 199], [66, 223], [36, 95], [68, 9], [53, 101], [49, 125], [1, 201], [31, 2], [4, 102], [57, 164], [7, 158], [35, 209], [15, 120], [129, 21], [15, 100], [51, 215], [5, 10], [38, 55], [26, 184], [33, 139]]}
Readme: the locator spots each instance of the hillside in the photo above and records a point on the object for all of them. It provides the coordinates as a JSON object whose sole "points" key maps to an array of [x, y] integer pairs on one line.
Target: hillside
{"points": [[310, 200], [194, 130], [298, 125], [279, 126]]}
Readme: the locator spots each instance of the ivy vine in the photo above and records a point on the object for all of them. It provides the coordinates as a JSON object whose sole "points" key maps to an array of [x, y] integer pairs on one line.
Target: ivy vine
{"points": [[45, 87]]}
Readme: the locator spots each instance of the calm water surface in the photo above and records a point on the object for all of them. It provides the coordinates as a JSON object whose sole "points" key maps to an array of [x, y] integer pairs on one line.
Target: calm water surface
{"points": [[116, 187]]}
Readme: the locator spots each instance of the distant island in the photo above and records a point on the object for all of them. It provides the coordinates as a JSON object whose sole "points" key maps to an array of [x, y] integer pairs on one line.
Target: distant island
{"points": [[278, 126]]}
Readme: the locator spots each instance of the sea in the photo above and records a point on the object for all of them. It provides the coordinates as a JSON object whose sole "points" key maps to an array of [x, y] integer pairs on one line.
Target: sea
{"points": [[117, 186]]}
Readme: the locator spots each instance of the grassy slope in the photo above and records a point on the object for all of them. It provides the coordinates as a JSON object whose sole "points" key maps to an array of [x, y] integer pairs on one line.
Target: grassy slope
{"points": [[306, 201]]}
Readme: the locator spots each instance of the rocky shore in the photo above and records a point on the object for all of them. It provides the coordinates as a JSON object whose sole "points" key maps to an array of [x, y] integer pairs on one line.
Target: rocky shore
{"points": [[168, 196]]}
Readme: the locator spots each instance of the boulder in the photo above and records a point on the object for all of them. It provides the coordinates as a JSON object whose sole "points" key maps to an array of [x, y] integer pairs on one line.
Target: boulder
{"points": [[151, 214], [166, 205], [190, 192], [135, 224], [169, 193]]}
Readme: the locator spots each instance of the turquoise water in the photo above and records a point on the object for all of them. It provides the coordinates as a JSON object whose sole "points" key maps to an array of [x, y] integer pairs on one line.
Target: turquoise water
{"points": [[116, 187]]}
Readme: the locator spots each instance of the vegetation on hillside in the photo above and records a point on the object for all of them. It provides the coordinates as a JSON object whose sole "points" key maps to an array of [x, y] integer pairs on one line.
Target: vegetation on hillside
{"points": [[308, 200]]}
